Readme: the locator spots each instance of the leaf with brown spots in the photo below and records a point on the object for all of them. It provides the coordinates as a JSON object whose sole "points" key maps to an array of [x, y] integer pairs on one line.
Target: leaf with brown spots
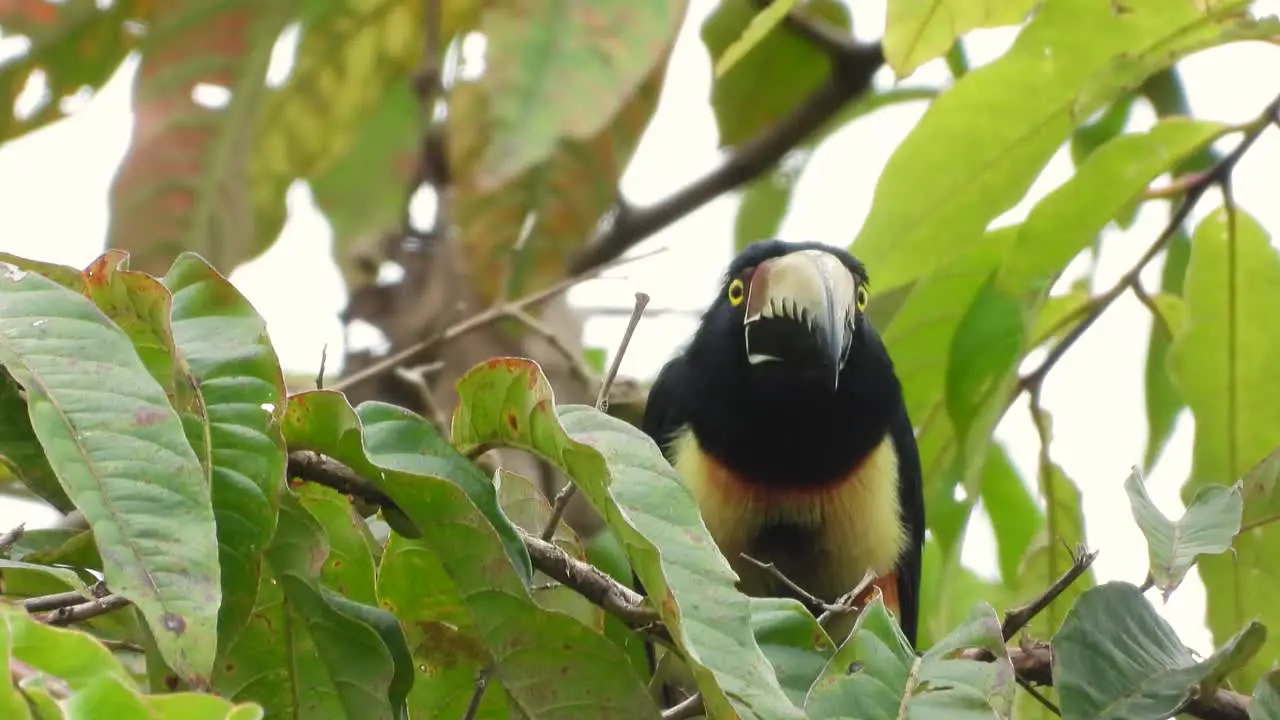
{"points": [[348, 569], [530, 647], [558, 203], [647, 506], [141, 488], [182, 184]]}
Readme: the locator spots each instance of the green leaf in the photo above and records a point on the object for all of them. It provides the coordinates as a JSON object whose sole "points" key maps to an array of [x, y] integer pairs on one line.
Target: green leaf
{"points": [[797, 647], [1221, 364], [1115, 657], [119, 451], [875, 675], [349, 569], [75, 44], [957, 171], [779, 72], [1207, 528], [1050, 553], [1259, 488], [1163, 402], [338, 111], [766, 20], [1059, 314], [561, 71], [917, 31], [986, 346], [548, 211], [358, 201], [508, 403], [299, 655], [96, 680], [179, 186], [1088, 137], [225, 343], [393, 448], [1114, 176], [20, 449], [1015, 517], [1266, 697], [529, 510]]}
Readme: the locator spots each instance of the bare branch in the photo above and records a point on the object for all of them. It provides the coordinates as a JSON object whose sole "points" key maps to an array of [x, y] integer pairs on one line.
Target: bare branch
{"points": [[689, 707], [1017, 618], [84, 611]]}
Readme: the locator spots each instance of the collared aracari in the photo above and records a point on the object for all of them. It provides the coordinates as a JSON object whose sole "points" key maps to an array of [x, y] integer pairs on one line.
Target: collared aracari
{"points": [[786, 418]]}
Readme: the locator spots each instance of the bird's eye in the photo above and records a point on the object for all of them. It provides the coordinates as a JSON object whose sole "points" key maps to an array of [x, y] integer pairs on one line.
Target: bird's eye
{"points": [[737, 291], [862, 298]]}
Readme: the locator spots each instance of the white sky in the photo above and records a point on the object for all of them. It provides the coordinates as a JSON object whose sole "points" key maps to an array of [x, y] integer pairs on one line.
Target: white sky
{"points": [[53, 206]]}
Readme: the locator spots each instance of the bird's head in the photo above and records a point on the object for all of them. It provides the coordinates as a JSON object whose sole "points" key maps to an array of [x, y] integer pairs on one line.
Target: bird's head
{"points": [[790, 311]]}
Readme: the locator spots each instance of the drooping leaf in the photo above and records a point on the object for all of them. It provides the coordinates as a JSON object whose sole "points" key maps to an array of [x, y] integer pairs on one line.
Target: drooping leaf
{"points": [[20, 449], [74, 44], [1207, 528], [529, 510], [875, 675], [507, 402], [530, 647], [299, 656], [771, 80], [119, 451], [349, 568], [554, 206], [224, 341], [957, 171], [1015, 517], [917, 31], [341, 104], [1068, 219], [1220, 362], [1115, 657], [1163, 402], [181, 185], [560, 71]]}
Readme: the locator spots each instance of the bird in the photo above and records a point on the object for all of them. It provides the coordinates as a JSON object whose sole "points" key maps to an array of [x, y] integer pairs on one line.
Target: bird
{"points": [[785, 417]]}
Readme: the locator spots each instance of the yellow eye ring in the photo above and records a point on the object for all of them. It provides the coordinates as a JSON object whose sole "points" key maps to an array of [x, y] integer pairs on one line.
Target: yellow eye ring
{"points": [[862, 298], [737, 292]]}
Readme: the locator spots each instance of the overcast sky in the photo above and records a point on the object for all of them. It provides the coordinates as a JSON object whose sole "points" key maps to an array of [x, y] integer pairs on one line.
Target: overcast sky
{"points": [[53, 206]]}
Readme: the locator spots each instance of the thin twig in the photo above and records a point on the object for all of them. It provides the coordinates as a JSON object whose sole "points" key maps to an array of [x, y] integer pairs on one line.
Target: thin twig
{"points": [[849, 601], [11, 538], [557, 343], [55, 601], [324, 357], [482, 684], [570, 488], [479, 320], [781, 577], [689, 707], [1197, 185], [1039, 696], [1017, 618], [84, 611]]}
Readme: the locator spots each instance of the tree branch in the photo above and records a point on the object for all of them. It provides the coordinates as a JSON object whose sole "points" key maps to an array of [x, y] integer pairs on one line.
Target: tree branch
{"points": [[1017, 618], [852, 67]]}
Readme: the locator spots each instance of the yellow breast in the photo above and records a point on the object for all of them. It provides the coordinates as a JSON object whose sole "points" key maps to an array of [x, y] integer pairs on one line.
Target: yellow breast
{"points": [[844, 528]]}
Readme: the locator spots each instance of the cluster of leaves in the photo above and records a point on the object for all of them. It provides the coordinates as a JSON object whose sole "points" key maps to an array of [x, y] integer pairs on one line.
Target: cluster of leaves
{"points": [[156, 408]]}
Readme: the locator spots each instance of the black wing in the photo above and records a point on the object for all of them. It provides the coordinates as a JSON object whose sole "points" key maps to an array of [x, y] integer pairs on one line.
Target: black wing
{"points": [[911, 499], [665, 411]]}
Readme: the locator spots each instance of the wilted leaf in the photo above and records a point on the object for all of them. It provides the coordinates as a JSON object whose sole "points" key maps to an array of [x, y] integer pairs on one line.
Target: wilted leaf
{"points": [[507, 402], [74, 44], [345, 97], [119, 451], [299, 656], [555, 206], [561, 72], [532, 648], [1222, 364], [181, 186], [875, 668], [771, 80], [1116, 658], [917, 31], [1207, 528], [225, 343], [957, 171], [1068, 219]]}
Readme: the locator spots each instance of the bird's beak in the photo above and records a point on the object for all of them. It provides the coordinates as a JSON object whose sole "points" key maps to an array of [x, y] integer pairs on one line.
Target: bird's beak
{"points": [[800, 311]]}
